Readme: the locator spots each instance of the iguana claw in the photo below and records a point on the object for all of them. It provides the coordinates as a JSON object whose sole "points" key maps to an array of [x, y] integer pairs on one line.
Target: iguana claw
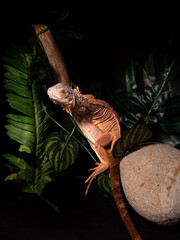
{"points": [[103, 166]]}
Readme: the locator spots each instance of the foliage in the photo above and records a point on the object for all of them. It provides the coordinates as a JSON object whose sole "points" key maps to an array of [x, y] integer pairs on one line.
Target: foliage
{"points": [[150, 88], [24, 90], [104, 184], [61, 150], [28, 124], [137, 135]]}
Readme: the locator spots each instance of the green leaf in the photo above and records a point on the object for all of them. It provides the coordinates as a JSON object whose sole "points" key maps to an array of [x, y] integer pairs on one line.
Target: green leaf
{"points": [[18, 162], [15, 72], [20, 118], [22, 125], [16, 63], [20, 54], [28, 125], [61, 151], [24, 96], [9, 77], [17, 88], [148, 88], [170, 139], [23, 105], [23, 148], [104, 184], [16, 98], [12, 177], [42, 176], [135, 136], [21, 136]]}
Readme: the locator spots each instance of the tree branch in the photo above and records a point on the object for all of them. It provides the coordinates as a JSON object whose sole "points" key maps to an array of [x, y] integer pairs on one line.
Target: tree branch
{"points": [[60, 74]]}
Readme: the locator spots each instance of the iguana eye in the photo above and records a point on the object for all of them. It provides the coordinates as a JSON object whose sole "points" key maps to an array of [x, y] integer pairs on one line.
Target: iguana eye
{"points": [[62, 91]]}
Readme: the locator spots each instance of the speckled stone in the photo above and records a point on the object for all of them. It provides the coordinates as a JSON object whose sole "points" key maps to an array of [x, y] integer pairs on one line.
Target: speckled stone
{"points": [[151, 181]]}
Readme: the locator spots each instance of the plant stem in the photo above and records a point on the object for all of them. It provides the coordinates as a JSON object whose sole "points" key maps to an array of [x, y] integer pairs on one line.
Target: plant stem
{"points": [[45, 110], [79, 130], [69, 137], [48, 202], [159, 93]]}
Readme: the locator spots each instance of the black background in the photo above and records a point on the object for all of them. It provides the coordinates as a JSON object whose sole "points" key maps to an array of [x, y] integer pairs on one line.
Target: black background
{"points": [[113, 34]]}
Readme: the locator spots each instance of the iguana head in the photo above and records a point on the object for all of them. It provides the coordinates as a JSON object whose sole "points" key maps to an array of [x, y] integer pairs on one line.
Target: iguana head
{"points": [[63, 95]]}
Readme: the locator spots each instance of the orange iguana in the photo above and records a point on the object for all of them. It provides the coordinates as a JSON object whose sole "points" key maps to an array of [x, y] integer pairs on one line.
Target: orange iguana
{"points": [[96, 119], [100, 124]]}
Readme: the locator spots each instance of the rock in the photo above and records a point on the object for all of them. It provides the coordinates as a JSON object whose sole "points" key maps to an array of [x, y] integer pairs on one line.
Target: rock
{"points": [[151, 181]]}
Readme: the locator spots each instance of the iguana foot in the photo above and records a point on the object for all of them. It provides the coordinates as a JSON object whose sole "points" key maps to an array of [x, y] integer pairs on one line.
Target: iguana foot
{"points": [[103, 166]]}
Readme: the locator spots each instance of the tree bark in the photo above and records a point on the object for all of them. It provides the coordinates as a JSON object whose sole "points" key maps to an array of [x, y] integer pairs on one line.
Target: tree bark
{"points": [[60, 74]]}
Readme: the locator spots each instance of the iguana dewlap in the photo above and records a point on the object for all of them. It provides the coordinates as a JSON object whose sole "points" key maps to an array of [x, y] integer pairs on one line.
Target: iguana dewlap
{"points": [[96, 119]]}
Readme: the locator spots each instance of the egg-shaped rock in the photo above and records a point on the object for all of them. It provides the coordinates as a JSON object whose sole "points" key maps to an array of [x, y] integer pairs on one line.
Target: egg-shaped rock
{"points": [[150, 178]]}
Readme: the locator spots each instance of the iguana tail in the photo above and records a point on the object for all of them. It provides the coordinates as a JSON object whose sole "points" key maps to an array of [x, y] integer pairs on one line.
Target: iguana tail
{"points": [[118, 197]]}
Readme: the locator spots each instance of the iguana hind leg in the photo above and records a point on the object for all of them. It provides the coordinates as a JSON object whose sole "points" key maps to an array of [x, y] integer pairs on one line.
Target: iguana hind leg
{"points": [[99, 147], [97, 170]]}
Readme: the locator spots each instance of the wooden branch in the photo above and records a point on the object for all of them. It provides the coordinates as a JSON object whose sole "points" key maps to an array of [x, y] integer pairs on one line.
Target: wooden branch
{"points": [[119, 199], [60, 74]]}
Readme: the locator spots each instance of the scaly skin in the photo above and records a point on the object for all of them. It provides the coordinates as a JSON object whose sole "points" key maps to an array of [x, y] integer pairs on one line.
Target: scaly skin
{"points": [[100, 123], [96, 119]]}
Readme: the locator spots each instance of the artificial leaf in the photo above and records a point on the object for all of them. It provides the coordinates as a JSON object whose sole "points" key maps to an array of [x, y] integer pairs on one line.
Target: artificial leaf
{"points": [[104, 184], [12, 177], [18, 162], [25, 171], [25, 97], [14, 71], [20, 118], [43, 176], [22, 125], [21, 136], [61, 150], [23, 148], [149, 88], [17, 88], [135, 136], [29, 124]]}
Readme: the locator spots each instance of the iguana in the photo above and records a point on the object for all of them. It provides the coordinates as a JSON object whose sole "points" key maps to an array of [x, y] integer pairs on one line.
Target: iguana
{"points": [[100, 124], [96, 119]]}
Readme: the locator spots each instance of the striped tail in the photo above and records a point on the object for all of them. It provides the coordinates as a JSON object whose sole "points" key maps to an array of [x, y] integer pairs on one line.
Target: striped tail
{"points": [[118, 197]]}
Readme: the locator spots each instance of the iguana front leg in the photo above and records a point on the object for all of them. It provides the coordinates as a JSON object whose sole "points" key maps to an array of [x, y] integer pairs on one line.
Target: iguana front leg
{"points": [[99, 147]]}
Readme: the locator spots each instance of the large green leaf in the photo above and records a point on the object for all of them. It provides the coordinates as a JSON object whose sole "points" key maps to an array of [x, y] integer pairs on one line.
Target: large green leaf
{"points": [[150, 89], [24, 96], [104, 184], [28, 124], [61, 150], [32, 183], [140, 133]]}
